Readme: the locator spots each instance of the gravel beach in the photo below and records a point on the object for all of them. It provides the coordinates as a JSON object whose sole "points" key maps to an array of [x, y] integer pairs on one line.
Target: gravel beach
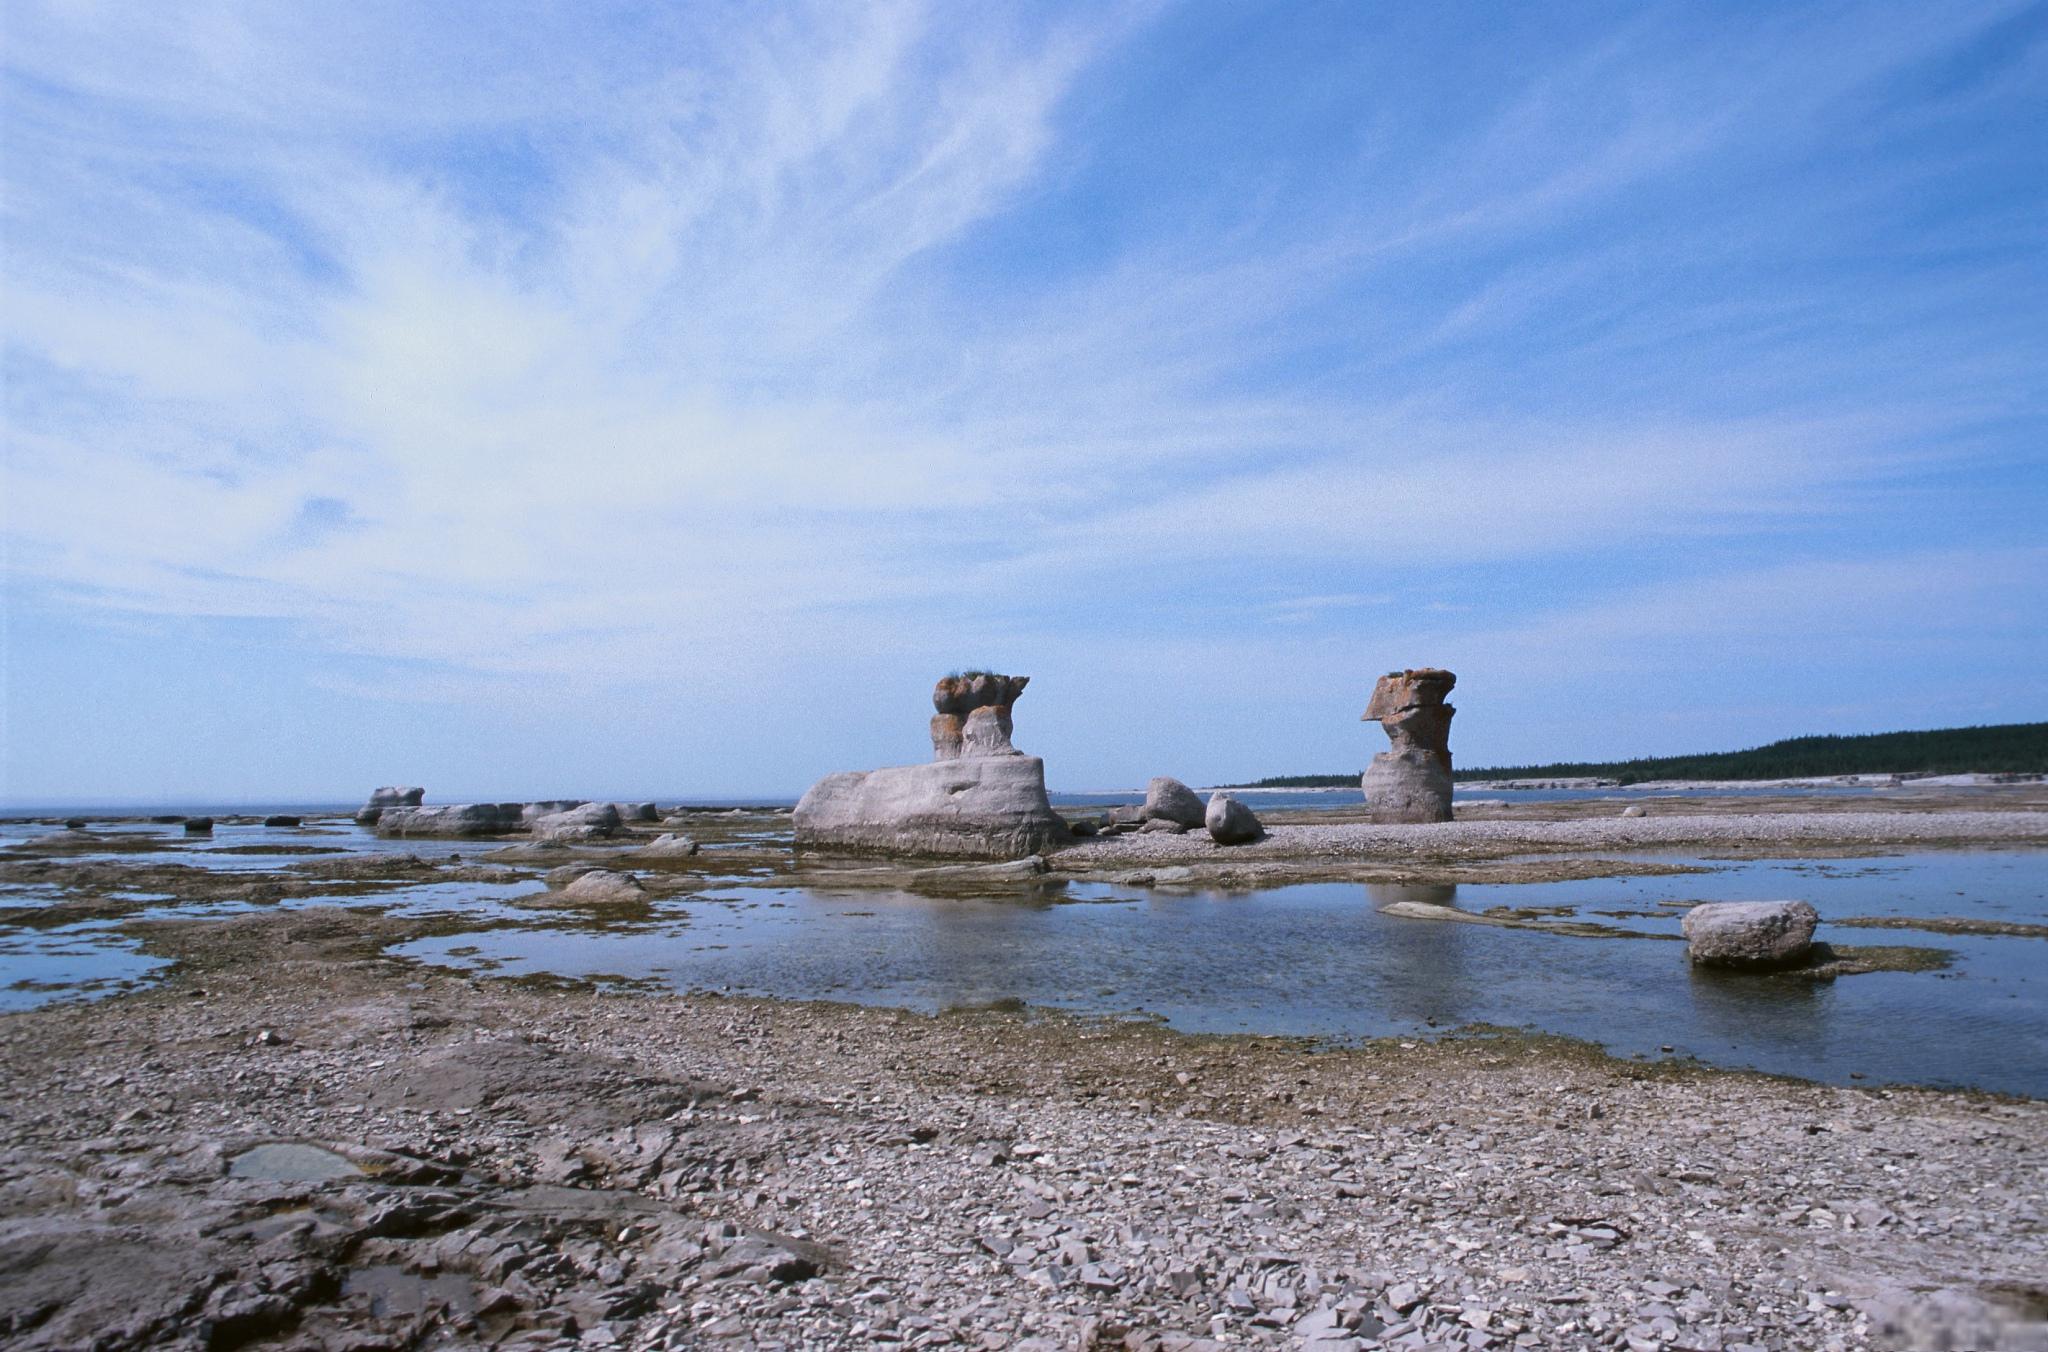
{"points": [[472, 1161], [1361, 840]]}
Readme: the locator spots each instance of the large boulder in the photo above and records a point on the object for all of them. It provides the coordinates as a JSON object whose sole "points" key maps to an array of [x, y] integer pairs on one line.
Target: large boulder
{"points": [[391, 795], [1411, 780], [1749, 933], [1169, 800], [450, 819], [637, 812], [590, 821], [1231, 822], [988, 807], [529, 813]]}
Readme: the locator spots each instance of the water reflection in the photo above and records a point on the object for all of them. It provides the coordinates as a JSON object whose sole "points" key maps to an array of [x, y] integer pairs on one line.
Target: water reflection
{"points": [[1426, 974]]}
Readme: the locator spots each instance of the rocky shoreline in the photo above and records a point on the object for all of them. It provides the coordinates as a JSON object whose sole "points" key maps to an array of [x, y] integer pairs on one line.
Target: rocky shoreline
{"points": [[527, 1167], [536, 1163]]}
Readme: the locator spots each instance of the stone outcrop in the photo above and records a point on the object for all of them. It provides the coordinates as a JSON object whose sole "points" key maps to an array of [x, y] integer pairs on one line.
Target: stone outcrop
{"points": [[973, 717], [451, 819], [1411, 780], [391, 795], [1167, 799], [551, 820], [586, 821], [198, 826], [987, 807], [1749, 933], [1231, 822], [978, 798]]}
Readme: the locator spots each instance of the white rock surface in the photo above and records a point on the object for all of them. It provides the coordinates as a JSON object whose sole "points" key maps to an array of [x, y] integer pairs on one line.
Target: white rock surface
{"points": [[592, 821], [1749, 933], [991, 807], [449, 819]]}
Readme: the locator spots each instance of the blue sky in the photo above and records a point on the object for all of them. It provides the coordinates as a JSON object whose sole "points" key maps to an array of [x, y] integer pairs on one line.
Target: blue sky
{"points": [[564, 399]]}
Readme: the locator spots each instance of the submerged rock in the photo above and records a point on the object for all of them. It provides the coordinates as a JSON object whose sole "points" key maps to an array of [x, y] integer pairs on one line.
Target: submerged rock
{"points": [[603, 885], [1167, 799], [1231, 822], [1411, 780], [1749, 933]]}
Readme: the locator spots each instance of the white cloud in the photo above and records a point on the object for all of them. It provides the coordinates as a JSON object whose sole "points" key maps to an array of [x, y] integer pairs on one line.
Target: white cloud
{"points": [[690, 361]]}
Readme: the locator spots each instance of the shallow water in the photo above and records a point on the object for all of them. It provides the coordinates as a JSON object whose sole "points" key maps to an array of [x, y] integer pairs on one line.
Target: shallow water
{"points": [[1318, 960], [1322, 960]]}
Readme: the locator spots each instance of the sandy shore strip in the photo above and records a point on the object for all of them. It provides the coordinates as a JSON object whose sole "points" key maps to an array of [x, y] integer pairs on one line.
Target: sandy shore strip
{"points": [[521, 1166]]}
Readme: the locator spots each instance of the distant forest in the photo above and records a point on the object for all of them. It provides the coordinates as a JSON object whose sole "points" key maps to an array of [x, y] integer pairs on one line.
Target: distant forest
{"points": [[2007, 748]]}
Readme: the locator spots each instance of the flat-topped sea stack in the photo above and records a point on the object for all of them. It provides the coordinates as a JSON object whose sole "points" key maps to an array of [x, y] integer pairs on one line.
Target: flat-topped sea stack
{"points": [[1411, 780], [979, 798]]}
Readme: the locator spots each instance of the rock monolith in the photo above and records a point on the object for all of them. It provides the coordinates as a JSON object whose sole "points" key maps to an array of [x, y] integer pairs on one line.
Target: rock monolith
{"points": [[979, 797], [1411, 780]]}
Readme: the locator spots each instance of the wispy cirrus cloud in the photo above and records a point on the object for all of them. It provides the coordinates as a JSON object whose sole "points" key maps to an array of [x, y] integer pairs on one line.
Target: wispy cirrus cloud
{"points": [[582, 341]]}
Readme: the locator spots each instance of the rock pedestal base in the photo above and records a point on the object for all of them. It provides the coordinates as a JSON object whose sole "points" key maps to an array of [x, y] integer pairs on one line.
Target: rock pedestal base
{"points": [[991, 807], [1407, 786]]}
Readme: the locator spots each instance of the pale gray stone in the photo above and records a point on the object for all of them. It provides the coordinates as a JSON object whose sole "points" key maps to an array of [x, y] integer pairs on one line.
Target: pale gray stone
{"points": [[1749, 933], [449, 819], [591, 821], [991, 807], [603, 885], [1231, 822], [1167, 799]]}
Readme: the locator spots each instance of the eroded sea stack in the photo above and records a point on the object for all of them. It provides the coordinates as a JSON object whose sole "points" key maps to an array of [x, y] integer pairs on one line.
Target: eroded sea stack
{"points": [[979, 798], [1411, 780]]}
